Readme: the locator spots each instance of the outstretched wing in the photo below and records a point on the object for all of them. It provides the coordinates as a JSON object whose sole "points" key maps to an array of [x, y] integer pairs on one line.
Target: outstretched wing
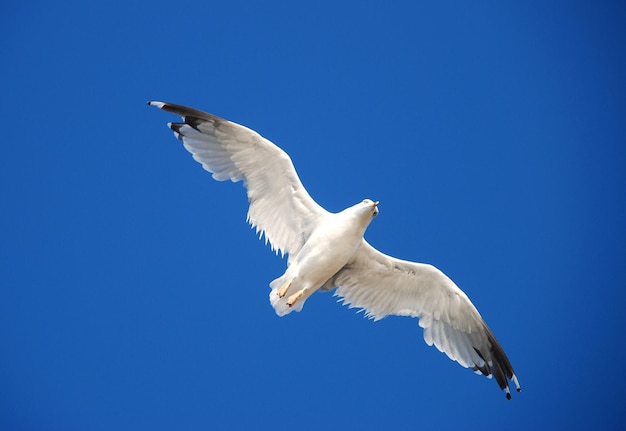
{"points": [[383, 285], [280, 206]]}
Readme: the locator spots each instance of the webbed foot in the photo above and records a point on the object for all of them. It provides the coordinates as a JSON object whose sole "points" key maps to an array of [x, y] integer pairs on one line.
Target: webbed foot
{"points": [[294, 298]]}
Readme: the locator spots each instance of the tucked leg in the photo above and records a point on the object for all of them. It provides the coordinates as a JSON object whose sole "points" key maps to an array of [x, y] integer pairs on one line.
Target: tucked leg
{"points": [[294, 298], [284, 288]]}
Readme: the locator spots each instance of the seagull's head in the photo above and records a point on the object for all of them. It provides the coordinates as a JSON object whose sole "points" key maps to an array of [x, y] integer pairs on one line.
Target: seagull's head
{"points": [[370, 207], [363, 212]]}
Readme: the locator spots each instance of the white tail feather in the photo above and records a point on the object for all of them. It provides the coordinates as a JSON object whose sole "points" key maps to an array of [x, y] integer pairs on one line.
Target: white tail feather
{"points": [[280, 304]]}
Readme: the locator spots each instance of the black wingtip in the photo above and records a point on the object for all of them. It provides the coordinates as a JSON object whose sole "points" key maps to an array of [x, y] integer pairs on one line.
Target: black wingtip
{"points": [[508, 396]]}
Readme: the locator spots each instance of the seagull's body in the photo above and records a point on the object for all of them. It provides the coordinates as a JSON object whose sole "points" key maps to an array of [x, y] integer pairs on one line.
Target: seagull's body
{"points": [[322, 255], [327, 250]]}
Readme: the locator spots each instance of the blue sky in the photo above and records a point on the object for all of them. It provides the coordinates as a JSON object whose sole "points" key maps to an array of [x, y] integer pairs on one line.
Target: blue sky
{"points": [[134, 296]]}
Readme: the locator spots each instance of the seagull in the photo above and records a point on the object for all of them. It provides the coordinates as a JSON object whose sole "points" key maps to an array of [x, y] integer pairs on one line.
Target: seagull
{"points": [[327, 250]]}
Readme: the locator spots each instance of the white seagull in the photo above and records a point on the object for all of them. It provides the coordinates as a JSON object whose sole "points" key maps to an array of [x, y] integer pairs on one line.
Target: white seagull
{"points": [[327, 250]]}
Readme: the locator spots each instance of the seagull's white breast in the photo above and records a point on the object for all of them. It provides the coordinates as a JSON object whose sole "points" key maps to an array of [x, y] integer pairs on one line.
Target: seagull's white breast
{"points": [[331, 245]]}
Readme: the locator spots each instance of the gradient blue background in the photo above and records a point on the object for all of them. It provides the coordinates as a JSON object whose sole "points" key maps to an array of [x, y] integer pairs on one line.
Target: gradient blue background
{"points": [[133, 296]]}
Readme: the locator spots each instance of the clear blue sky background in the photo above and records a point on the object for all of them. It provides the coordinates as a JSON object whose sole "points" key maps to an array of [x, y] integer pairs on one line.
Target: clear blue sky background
{"points": [[134, 296]]}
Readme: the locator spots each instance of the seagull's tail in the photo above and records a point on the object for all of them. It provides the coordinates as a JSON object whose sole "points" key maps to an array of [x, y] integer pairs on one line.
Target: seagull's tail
{"points": [[279, 302]]}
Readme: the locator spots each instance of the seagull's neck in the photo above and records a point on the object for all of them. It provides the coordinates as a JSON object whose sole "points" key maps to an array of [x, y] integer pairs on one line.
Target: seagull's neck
{"points": [[354, 219]]}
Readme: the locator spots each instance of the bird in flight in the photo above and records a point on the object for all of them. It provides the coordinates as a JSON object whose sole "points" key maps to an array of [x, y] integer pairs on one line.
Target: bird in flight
{"points": [[327, 251]]}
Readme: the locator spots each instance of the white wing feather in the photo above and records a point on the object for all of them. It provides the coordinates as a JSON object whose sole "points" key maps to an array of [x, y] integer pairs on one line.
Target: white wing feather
{"points": [[280, 206], [382, 285]]}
